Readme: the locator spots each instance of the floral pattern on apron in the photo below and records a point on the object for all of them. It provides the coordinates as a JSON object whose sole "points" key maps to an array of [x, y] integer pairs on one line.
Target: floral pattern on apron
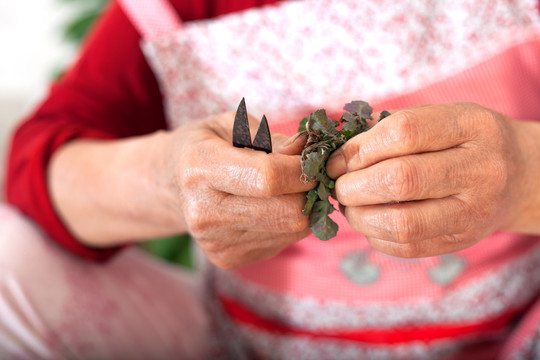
{"points": [[339, 298]]}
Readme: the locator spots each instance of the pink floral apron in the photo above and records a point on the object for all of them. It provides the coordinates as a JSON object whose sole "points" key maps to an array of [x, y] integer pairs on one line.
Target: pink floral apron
{"points": [[341, 299]]}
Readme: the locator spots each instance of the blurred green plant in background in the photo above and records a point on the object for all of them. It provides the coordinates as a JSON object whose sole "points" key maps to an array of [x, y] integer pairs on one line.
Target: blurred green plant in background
{"points": [[86, 12], [175, 249]]}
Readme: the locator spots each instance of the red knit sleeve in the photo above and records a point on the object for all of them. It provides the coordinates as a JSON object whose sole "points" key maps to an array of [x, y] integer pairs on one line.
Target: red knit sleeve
{"points": [[109, 93]]}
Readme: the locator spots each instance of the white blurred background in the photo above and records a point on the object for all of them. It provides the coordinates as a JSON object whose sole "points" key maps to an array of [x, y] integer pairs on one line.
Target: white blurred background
{"points": [[32, 50]]}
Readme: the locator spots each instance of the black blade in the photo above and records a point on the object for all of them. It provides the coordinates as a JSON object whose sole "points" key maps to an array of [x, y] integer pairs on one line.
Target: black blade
{"points": [[263, 140], [241, 135]]}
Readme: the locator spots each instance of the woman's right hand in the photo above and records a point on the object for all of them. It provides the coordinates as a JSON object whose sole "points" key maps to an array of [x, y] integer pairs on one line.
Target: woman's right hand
{"points": [[239, 205]]}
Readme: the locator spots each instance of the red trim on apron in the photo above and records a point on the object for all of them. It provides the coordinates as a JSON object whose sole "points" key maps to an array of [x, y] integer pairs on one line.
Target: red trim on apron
{"points": [[241, 314]]}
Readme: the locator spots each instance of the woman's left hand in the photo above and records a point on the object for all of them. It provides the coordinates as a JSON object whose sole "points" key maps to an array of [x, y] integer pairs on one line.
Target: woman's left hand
{"points": [[435, 179]]}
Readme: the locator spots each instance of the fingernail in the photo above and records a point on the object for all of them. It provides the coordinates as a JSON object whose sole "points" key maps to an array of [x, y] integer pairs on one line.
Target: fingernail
{"points": [[292, 145], [297, 137], [336, 165]]}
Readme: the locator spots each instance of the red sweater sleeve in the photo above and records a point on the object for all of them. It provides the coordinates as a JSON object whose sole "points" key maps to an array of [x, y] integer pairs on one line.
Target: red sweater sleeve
{"points": [[109, 93]]}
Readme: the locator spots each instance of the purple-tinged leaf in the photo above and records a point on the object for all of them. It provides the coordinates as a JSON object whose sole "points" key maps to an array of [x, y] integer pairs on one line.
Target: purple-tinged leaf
{"points": [[359, 107]]}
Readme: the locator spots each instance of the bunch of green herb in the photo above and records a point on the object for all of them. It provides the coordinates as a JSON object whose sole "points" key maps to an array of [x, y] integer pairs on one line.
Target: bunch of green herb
{"points": [[324, 137]]}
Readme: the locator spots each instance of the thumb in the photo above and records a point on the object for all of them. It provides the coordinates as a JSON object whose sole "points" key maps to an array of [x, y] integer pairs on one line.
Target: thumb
{"points": [[289, 145]]}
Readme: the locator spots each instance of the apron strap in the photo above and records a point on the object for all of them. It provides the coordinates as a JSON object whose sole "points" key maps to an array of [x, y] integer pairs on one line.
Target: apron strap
{"points": [[152, 18]]}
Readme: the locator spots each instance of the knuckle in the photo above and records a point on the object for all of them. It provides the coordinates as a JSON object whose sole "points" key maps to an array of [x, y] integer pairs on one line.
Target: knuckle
{"points": [[289, 217], [477, 216], [407, 251], [266, 180], [189, 172], [217, 250], [400, 181], [189, 178], [226, 264], [353, 218], [488, 121], [355, 225], [351, 152], [298, 223], [222, 262], [196, 220], [480, 112], [404, 133], [497, 173], [484, 214], [403, 227], [342, 192]]}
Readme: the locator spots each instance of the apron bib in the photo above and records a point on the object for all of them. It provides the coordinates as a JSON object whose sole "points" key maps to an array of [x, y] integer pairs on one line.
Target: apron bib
{"points": [[341, 299]]}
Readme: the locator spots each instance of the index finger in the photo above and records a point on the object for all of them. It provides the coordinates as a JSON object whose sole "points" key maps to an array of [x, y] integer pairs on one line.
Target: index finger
{"points": [[405, 132], [247, 172]]}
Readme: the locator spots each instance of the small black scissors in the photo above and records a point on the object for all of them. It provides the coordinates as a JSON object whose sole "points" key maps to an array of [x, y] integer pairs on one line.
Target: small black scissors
{"points": [[242, 136]]}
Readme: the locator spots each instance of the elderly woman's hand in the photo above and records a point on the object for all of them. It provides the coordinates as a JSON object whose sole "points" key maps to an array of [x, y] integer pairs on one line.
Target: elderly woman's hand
{"points": [[239, 205], [435, 179]]}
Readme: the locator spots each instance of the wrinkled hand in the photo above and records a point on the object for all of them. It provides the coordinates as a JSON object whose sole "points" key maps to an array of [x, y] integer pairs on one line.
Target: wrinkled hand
{"points": [[431, 180], [240, 205]]}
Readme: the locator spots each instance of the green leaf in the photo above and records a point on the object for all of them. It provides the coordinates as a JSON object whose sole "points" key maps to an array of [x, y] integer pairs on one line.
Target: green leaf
{"points": [[324, 179], [323, 191], [323, 139], [314, 163], [384, 114], [303, 123], [311, 198], [350, 128], [323, 206], [348, 117], [354, 122], [319, 122], [323, 227]]}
